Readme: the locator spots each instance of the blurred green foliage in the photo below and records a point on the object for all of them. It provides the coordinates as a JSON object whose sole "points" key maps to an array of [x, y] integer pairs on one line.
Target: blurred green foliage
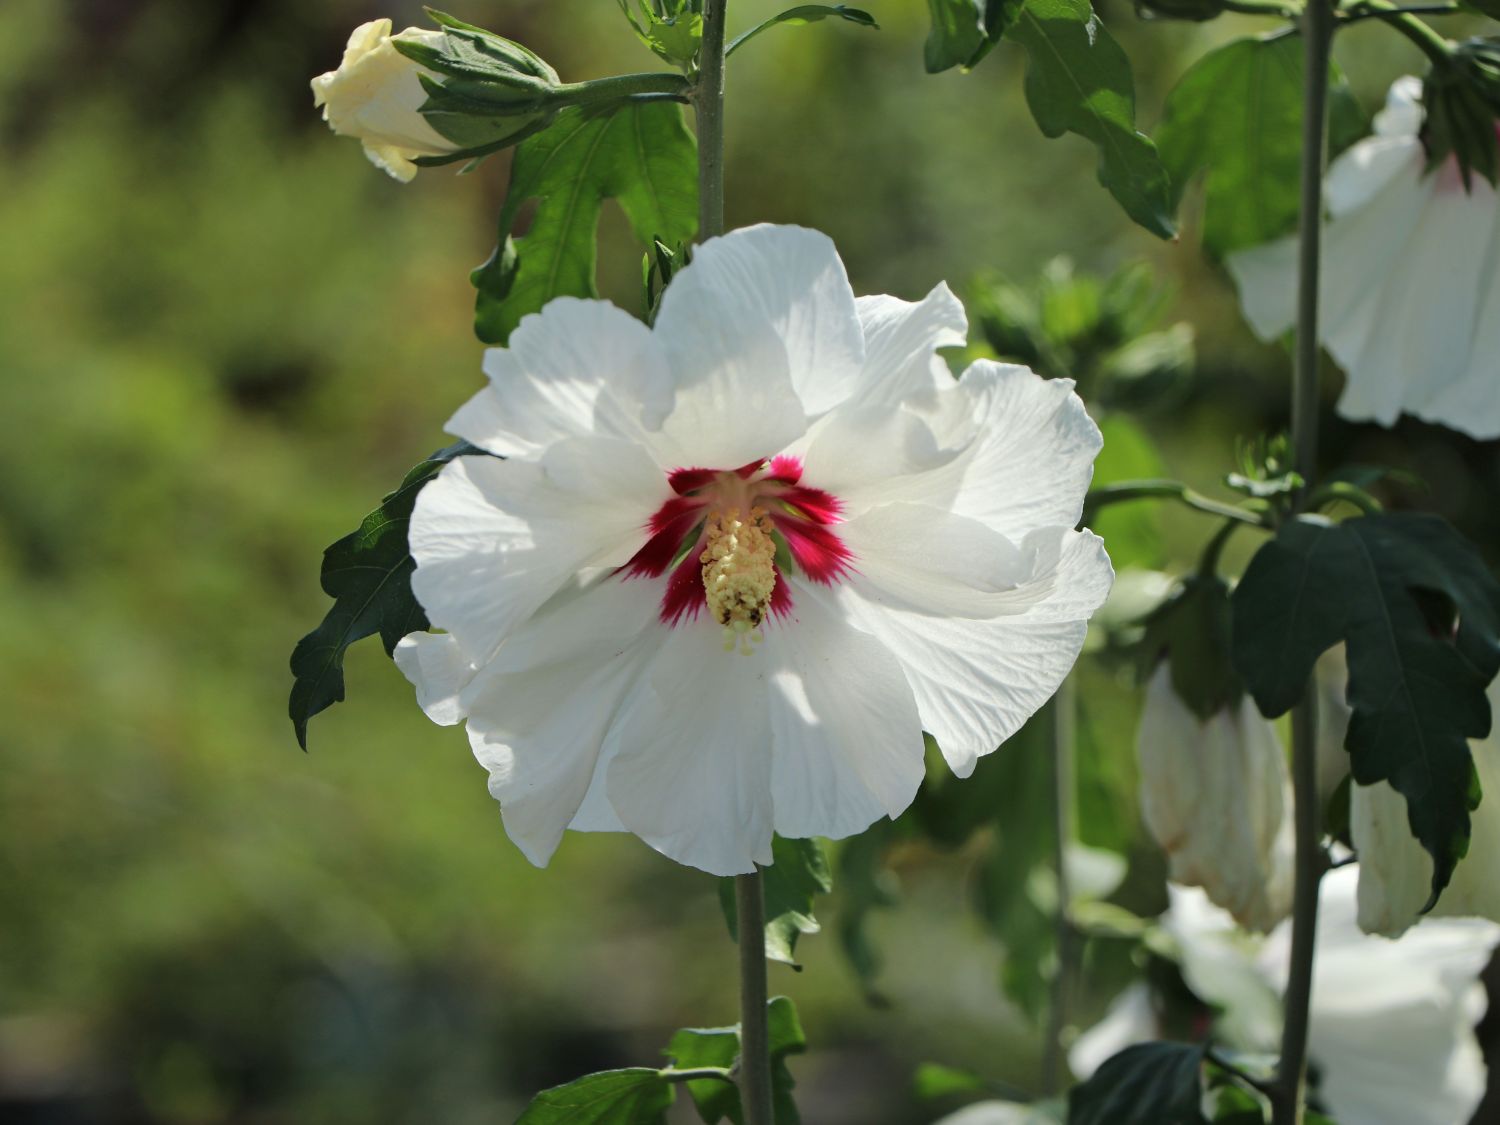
{"points": [[223, 336]]}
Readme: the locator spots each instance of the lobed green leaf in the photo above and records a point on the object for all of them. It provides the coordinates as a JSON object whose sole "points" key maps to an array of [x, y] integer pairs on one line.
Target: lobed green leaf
{"points": [[717, 1101], [368, 574], [799, 871], [641, 155], [1419, 614]]}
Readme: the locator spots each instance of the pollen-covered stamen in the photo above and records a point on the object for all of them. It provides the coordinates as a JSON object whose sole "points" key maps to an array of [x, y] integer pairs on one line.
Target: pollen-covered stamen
{"points": [[739, 573]]}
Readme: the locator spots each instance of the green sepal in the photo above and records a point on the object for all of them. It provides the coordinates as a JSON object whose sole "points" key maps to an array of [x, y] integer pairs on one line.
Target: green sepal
{"points": [[1462, 102], [474, 53], [642, 156], [716, 1101], [368, 574], [1148, 1084], [633, 1096], [1419, 614], [799, 872]]}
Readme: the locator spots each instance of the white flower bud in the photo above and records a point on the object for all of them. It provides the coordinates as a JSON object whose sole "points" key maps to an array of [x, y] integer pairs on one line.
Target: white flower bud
{"points": [[1215, 794], [1395, 871], [375, 96]]}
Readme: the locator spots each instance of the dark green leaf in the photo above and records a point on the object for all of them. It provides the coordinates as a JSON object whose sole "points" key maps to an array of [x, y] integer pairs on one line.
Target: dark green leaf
{"points": [[637, 1096], [368, 574], [806, 13], [719, 1046], [958, 34], [642, 155], [798, 872], [1236, 117], [1420, 616], [1192, 631], [1078, 80], [1148, 1084]]}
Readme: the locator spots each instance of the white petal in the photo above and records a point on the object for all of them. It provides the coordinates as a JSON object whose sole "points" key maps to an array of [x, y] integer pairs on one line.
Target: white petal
{"points": [[493, 539], [1216, 796], [1392, 1022], [1420, 337], [439, 669], [931, 561], [1131, 1019], [901, 342], [573, 369], [690, 759], [1395, 872], [847, 742], [782, 280], [1401, 116], [977, 681], [1003, 446], [539, 713]]}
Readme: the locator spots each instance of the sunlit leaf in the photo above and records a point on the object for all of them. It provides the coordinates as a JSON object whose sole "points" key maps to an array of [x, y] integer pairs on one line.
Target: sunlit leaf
{"points": [[636, 1096], [799, 871], [1235, 118], [642, 156], [720, 1046], [368, 574], [958, 35], [1078, 80], [1420, 615]]}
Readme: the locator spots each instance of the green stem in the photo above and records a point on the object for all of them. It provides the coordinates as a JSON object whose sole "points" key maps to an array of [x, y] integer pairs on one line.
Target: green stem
{"points": [[1064, 716], [624, 86], [755, 1033], [696, 1074], [1164, 490], [1433, 45], [708, 96], [1291, 1070], [1263, 8]]}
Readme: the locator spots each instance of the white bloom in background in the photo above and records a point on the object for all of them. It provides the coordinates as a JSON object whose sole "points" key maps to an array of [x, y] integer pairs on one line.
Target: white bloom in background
{"points": [[1215, 794], [375, 95], [1392, 1023], [1007, 1113], [1410, 290], [732, 567], [1396, 871]]}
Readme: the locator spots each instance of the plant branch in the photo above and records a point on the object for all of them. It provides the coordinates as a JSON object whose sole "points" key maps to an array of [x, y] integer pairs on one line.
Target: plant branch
{"points": [[625, 86], [1164, 490], [1240, 1074], [755, 1033], [708, 96], [1318, 24], [715, 1073], [1404, 20]]}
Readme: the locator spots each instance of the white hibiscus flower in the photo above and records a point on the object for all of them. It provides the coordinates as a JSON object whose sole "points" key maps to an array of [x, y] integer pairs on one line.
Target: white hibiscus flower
{"points": [[1410, 290], [732, 567], [1216, 794], [375, 95], [1392, 1023]]}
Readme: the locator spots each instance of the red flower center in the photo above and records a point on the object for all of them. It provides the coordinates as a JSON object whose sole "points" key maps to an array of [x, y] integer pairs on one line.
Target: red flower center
{"points": [[760, 494]]}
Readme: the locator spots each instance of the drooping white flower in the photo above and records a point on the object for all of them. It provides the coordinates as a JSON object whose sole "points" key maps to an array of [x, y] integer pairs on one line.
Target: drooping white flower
{"points": [[1391, 1032], [1396, 871], [1215, 794], [375, 94], [731, 567], [1410, 290]]}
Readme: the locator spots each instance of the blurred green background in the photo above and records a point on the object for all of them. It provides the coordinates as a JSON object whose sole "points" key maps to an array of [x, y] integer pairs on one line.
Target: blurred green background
{"points": [[223, 335]]}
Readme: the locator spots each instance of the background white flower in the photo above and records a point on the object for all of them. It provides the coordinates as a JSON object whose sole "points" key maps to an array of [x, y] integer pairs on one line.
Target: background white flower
{"points": [[732, 567], [375, 94], [1215, 795], [1410, 287], [1392, 1023]]}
